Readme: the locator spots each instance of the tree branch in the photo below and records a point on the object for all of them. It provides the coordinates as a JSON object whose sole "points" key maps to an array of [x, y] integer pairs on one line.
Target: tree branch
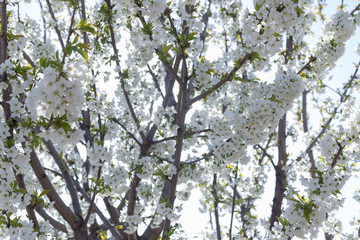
{"points": [[306, 129], [265, 154], [58, 225], [28, 59], [53, 196], [332, 115], [338, 153], [216, 204], [172, 71], [115, 50], [29, 208], [126, 130], [155, 80], [64, 169], [56, 26], [312, 58], [227, 78], [186, 135], [99, 212], [280, 181]]}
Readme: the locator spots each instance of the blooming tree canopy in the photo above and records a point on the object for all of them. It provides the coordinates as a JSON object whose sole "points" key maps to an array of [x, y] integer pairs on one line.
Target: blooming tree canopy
{"points": [[114, 111]]}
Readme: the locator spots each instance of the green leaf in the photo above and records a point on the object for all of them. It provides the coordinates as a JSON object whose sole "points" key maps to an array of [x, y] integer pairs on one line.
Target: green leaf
{"points": [[83, 46], [85, 26], [125, 74], [66, 126], [165, 48], [255, 56], [300, 198], [43, 62], [83, 53], [72, 3], [258, 6], [293, 199], [69, 49], [13, 36], [299, 11], [191, 36], [307, 215], [76, 39], [43, 193]]}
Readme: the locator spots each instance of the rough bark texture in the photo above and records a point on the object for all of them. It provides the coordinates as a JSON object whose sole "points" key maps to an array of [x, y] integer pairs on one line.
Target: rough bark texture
{"points": [[280, 174]]}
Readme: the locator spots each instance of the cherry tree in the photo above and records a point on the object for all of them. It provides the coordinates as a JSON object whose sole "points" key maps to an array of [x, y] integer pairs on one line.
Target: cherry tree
{"points": [[114, 111]]}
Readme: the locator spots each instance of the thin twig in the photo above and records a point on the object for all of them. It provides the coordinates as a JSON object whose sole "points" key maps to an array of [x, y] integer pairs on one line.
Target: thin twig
{"points": [[312, 58], [28, 59], [186, 135], [155, 80], [173, 73], [122, 82], [198, 160], [266, 154], [56, 26], [227, 78], [265, 149], [306, 129], [99, 212], [341, 148], [126, 130], [342, 100], [216, 210]]}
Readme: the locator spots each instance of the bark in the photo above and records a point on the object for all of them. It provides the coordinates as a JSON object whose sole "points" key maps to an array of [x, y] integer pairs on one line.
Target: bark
{"points": [[282, 156], [56, 26], [306, 129], [107, 224], [216, 210], [29, 208], [56, 224], [280, 174], [67, 177], [53, 196]]}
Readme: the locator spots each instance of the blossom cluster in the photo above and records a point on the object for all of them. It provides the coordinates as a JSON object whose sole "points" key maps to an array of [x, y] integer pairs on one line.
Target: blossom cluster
{"points": [[335, 32], [305, 215], [163, 57], [259, 116], [54, 95]]}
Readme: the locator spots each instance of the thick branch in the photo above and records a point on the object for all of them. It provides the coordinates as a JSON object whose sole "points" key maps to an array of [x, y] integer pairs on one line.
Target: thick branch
{"points": [[66, 175], [282, 156], [99, 212], [29, 208], [53, 196], [58, 225], [280, 173], [3, 36]]}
